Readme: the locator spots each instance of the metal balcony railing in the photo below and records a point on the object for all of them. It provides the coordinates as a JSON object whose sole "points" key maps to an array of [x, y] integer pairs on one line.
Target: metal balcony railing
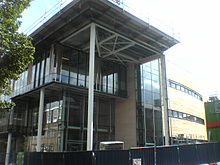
{"points": [[125, 5], [70, 81]]}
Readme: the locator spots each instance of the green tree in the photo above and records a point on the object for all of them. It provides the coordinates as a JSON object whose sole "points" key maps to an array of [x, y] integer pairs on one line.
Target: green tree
{"points": [[16, 50]]}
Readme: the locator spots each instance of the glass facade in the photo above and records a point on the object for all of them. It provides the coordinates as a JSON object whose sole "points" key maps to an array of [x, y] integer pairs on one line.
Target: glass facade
{"points": [[65, 111], [69, 66], [149, 104], [76, 107], [65, 121]]}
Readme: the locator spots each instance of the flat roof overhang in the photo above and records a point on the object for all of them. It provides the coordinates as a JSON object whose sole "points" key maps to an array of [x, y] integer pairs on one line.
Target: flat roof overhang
{"points": [[120, 35]]}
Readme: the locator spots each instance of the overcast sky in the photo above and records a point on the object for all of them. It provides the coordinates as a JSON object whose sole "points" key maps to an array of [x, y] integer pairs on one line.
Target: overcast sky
{"points": [[197, 55]]}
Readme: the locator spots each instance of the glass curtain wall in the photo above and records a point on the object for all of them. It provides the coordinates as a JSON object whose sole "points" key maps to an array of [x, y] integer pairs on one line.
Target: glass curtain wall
{"points": [[53, 109], [149, 104], [70, 66], [110, 77], [65, 121], [76, 115], [36, 75]]}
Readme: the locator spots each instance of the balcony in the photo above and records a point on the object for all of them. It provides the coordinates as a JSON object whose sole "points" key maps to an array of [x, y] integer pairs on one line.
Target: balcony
{"points": [[69, 81]]}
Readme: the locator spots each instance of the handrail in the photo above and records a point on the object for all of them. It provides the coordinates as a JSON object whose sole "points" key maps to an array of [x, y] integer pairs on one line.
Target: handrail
{"points": [[120, 3], [46, 16]]}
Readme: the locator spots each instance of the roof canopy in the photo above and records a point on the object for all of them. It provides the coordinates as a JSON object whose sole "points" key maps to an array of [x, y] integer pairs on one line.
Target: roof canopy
{"points": [[119, 35]]}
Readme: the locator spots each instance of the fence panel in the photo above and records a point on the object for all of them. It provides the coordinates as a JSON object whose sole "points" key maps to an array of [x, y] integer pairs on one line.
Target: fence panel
{"points": [[145, 155], [78, 158], [205, 153], [167, 156], [33, 158], [173, 155], [52, 158], [188, 155], [113, 157], [208, 153], [216, 147]]}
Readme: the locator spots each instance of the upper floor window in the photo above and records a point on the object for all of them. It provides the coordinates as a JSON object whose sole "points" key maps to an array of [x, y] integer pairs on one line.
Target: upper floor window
{"points": [[185, 116], [185, 89]]}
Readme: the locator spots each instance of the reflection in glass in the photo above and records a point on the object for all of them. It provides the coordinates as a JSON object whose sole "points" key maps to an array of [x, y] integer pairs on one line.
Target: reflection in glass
{"points": [[47, 70], [37, 74], [110, 83], [71, 66], [42, 71], [150, 97]]}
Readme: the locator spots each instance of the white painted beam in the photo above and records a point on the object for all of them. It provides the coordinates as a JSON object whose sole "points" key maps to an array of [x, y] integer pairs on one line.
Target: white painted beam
{"points": [[118, 50]]}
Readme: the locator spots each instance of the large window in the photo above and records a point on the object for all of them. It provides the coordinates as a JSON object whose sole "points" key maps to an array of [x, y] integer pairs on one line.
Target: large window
{"points": [[76, 110], [150, 83], [185, 116], [110, 77], [53, 111], [150, 130]]}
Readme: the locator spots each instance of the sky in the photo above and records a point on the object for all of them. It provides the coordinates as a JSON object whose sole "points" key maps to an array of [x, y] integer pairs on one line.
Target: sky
{"points": [[195, 22]]}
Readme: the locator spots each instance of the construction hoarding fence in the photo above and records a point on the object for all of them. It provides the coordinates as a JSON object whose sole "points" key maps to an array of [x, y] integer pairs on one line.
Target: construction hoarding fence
{"points": [[179, 155]]}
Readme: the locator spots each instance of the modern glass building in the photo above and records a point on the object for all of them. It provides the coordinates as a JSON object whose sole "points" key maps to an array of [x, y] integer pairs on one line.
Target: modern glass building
{"points": [[98, 75]]}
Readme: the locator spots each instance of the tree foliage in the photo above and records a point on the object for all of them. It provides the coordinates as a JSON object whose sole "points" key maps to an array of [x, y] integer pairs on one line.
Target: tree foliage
{"points": [[16, 49]]}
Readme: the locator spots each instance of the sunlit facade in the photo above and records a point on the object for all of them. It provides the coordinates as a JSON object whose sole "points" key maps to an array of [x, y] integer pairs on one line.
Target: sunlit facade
{"points": [[186, 113]]}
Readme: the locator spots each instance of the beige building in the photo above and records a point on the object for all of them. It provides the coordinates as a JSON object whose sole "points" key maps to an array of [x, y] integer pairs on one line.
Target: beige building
{"points": [[186, 112]]}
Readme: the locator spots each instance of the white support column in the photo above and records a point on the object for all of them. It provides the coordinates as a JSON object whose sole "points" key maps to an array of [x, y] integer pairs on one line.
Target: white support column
{"points": [[8, 150], [40, 119], [91, 88], [164, 97], [7, 156]]}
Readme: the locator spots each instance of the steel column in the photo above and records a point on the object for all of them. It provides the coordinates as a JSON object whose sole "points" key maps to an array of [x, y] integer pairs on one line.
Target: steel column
{"points": [[91, 88], [40, 119], [164, 96], [8, 150]]}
